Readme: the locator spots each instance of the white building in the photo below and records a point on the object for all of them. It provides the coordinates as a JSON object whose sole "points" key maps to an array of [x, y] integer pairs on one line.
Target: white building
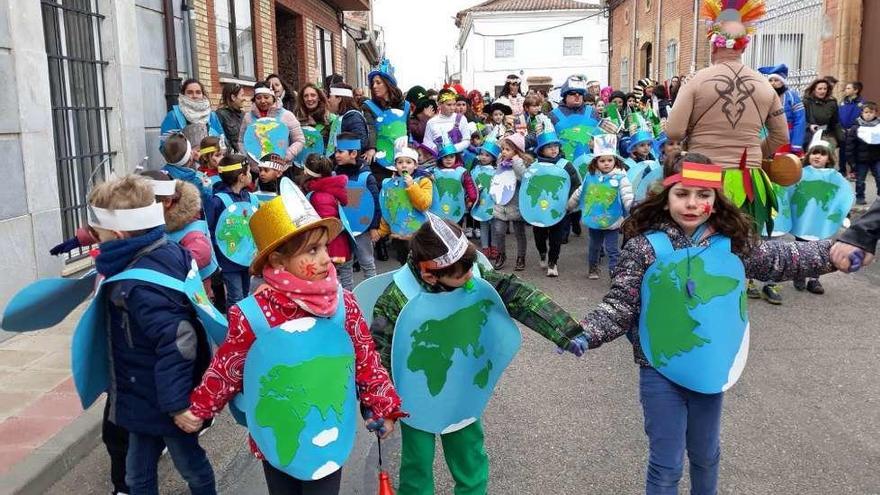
{"points": [[543, 41]]}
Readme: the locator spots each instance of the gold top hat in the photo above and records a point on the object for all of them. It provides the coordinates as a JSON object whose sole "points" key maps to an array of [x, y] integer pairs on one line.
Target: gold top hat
{"points": [[283, 217]]}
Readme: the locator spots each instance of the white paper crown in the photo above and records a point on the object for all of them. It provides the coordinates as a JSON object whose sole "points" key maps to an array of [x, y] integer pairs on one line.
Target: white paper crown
{"points": [[300, 211], [817, 141], [605, 145], [456, 244], [163, 187], [401, 148], [129, 220]]}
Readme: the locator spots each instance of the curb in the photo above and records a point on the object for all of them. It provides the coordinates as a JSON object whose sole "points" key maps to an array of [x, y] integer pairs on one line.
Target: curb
{"points": [[49, 462]]}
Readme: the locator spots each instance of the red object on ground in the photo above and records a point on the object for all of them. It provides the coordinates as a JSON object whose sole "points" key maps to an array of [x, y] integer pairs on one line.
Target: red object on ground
{"points": [[385, 487]]}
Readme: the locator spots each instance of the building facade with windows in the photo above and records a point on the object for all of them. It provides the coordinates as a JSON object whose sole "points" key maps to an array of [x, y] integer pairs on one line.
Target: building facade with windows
{"points": [[662, 38], [544, 41], [88, 82]]}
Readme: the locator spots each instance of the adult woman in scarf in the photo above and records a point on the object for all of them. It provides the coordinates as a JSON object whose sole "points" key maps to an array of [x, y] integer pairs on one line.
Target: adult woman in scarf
{"points": [[312, 111], [821, 110], [192, 115], [511, 94], [231, 112], [285, 97]]}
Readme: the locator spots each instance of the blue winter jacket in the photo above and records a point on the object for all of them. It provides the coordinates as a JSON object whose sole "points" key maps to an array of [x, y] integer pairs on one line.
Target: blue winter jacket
{"points": [[159, 349], [796, 117], [352, 172], [213, 209], [849, 111], [354, 122], [192, 176]]}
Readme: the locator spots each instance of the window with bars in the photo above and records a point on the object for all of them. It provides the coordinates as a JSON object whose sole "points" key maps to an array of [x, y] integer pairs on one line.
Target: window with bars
{"points": [[235, 38], [503, 48], [624, 74], [573, 46], [72, 32], [324, 52], [671, 58]]}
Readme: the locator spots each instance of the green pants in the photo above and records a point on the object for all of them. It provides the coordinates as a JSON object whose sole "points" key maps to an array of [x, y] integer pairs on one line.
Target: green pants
{"points": [[465, 457]]}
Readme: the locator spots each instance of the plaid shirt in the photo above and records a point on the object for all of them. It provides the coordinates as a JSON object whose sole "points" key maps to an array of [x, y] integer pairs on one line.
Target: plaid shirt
{"points": [[525, 303]]}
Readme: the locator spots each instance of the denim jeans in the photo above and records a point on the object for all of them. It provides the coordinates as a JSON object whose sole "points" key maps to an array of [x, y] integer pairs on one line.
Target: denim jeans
{"points": [[606, 239], [188, 456], [238, 285], [363, 252], [678, 419], [862, 170], [345, 273], [486, 234]]}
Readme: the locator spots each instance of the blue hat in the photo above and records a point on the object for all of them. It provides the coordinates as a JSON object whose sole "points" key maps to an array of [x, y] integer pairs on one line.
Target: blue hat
{"points": [[659, 141], [547, 137], [641, 136], [386, 70], [573, 84], [780, 71], [444, 146], [491, 147], [348, 144]]}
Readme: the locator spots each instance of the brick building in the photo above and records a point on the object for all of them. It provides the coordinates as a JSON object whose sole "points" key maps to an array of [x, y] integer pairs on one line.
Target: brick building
{"points": [[245, 40], [661, 38]]}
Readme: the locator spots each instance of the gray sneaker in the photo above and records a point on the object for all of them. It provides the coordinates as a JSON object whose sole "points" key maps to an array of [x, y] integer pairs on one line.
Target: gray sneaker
{"points": [[594, 273], [552, 271]]}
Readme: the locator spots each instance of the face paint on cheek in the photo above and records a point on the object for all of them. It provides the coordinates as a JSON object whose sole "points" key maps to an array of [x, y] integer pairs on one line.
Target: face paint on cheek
{"points": [[707, 209], [308, 268]]}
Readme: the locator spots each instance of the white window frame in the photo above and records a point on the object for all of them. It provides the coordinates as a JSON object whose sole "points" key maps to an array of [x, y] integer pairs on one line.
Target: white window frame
{"points": [[233, 57], [505, 47], [573, 46], [671, 58], [624, 74]]}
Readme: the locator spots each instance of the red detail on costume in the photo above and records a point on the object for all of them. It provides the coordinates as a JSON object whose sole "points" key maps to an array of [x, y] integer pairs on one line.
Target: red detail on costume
{"points": [[224, 377], [746, 176], [385, 487]]}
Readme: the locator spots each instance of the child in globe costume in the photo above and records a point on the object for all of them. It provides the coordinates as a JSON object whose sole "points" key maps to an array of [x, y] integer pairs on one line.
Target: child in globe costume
{"points": [[604, 198], [505, 190], [686, 255], [404, 200], [439, 293], [298, 343], [455, 188], [482, 173], [819, 203], [227, 213], [178, 154], [548, 239]]}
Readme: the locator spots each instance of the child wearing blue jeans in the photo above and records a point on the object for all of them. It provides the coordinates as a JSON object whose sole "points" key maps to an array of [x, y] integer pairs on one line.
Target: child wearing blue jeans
{"points": [[683, 248], [158, 348]]}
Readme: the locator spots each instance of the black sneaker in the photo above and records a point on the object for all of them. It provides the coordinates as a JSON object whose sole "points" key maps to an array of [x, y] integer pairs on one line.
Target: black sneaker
{"points": [[800, 284], [499, 261], [752, 290], [772, 294], [594, 273], [520, 264], [815, 287]]}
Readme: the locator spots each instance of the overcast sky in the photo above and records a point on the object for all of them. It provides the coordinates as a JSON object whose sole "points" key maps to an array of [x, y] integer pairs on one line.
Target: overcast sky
{"points": [[418, 35]]}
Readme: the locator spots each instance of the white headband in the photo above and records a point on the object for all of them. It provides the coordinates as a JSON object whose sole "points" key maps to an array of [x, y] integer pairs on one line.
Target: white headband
{"points": [[272, 164], [263, 91], [186, 156], [456, 245], [163, 187], [341, 92], [146, 217], [310, 173]]}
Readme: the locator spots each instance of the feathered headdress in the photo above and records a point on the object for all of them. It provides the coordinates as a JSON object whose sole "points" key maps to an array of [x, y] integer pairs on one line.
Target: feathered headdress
{"points": [[746, 12]]}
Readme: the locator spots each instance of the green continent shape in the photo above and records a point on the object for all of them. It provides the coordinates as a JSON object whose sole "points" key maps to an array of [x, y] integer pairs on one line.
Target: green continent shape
{"points": [[484, 181], [233, 231], [289, 393], [572, 137], [743, 306], [550, 184], [481, 379], [435, 341], [397, 202], [670, 325], [387, 134], [449, 187], [836, 217], [819, 190], [600, 194], [262, 132]]}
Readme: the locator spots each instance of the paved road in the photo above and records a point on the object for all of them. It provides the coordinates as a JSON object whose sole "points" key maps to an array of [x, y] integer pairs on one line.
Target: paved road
{"points": [[802, 420]]}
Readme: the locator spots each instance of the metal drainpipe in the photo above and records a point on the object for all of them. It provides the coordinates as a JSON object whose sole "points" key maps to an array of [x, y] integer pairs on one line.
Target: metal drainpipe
{"points": [[610, 41], [694, 41], [656, 58], [187, 10], [633, 65], [172, 81]]}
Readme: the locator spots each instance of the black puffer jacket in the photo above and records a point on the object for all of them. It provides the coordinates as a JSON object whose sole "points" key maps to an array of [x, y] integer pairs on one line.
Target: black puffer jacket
{"points": [[865, 232], [858, 151]]}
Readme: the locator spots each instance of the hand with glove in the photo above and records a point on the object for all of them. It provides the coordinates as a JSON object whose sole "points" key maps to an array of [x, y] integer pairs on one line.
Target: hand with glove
{"points": [[381, 427], [577, 346]]}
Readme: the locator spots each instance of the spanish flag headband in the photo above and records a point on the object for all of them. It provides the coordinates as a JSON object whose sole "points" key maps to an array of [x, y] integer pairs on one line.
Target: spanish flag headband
{"points": [[456, 245], [745, 12], [696, 175]]}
